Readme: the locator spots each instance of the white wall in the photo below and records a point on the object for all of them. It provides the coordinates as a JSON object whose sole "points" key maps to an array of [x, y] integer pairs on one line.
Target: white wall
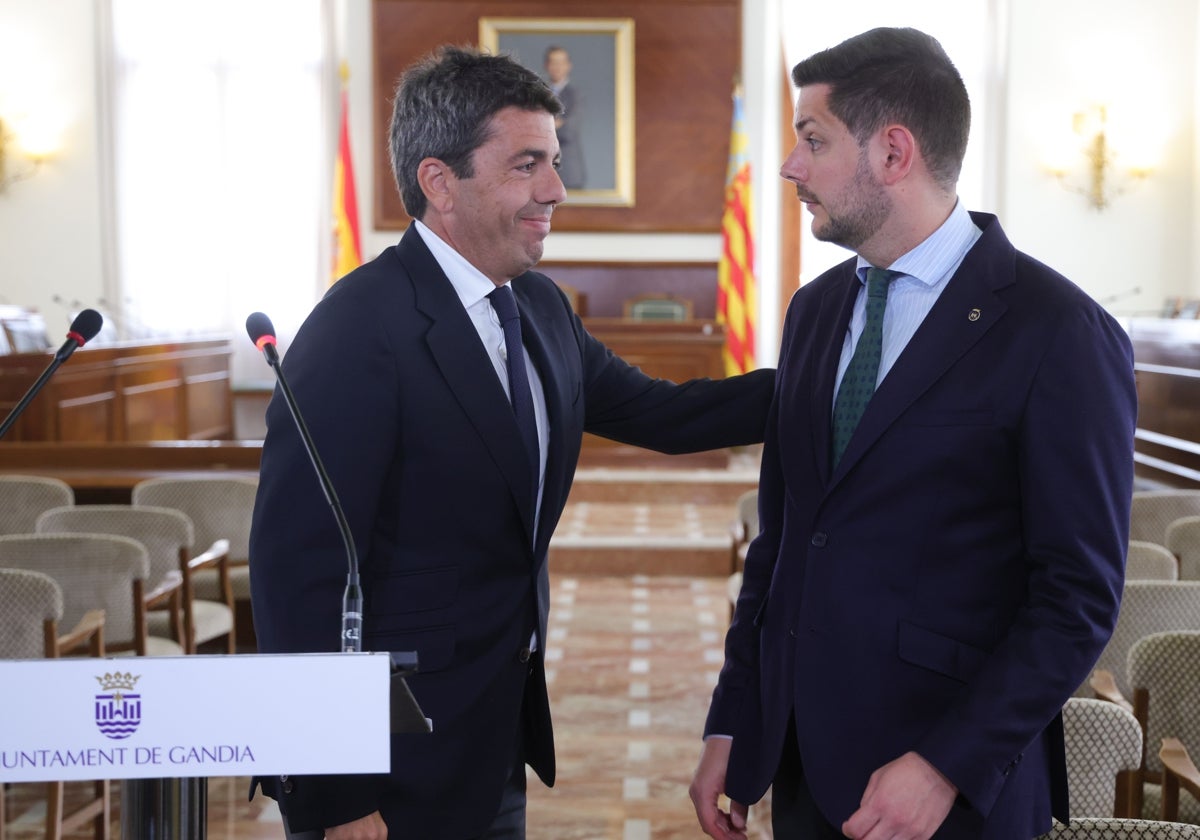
{"points": [[1140, 59], [50, 232]]}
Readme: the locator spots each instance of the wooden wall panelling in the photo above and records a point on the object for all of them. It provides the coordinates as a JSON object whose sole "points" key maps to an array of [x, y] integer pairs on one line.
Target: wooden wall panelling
{"points": [[607, 286], [152, 409], [686, 53], [208, 405], [134, 391]]}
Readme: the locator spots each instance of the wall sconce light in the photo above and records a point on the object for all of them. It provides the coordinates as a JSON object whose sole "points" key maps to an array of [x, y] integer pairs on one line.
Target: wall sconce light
{"points": [[31, 155], [1101, 180]]}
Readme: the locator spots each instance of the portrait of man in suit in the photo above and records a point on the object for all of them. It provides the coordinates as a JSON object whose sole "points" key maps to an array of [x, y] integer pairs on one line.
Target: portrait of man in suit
{"points": [[447, 386], [569, 124], [944, 495]]}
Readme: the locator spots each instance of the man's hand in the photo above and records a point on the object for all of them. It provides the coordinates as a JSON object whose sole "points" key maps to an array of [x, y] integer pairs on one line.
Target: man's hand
{"points": [[707, 786], [370, 827], [905, 799]]}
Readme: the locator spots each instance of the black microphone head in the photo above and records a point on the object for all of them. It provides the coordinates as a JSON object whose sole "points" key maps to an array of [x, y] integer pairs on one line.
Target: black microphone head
{"points": [[258, 325], [85, 326], [261, 330]]}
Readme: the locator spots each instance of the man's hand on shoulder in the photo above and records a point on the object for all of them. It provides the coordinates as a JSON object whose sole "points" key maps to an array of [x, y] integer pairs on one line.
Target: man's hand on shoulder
{"points": [[370, 827], [905, 799]]}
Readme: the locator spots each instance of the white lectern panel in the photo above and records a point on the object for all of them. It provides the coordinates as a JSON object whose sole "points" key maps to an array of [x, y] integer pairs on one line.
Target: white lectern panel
{"points": [[155, 717]]}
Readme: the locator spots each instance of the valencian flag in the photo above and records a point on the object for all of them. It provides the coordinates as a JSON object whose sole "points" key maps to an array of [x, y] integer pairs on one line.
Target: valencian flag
{"points": [[737, 297], [347, 244]]}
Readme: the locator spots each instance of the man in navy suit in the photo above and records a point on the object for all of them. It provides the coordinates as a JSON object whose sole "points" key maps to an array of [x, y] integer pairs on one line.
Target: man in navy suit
{"points": [[402, 374], [935, 577], [568, 124]]}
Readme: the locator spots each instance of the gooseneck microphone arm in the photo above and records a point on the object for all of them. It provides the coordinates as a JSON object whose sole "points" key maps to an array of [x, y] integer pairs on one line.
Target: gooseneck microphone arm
{"points": [[262, 333], [83, 329]]}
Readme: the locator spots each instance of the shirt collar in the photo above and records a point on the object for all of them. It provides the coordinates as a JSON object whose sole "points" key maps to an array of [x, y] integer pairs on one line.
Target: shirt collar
{"points": [[469, 283], [933, 259]]}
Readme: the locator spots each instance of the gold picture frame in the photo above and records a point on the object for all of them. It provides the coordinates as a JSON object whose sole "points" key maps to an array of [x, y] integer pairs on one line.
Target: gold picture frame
{"points": [[596, 131]]}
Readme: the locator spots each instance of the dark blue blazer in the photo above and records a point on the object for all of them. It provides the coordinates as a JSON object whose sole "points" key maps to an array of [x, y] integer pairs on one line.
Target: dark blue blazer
{"points": [[423, 449], [952, 582]]}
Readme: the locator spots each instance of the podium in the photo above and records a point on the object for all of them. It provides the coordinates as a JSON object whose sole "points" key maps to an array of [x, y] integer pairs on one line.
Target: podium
{"points": [[165, 725]]}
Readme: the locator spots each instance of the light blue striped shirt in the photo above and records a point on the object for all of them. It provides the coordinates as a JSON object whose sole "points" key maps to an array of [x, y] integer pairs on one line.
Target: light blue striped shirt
{"points": [[926, 270]]}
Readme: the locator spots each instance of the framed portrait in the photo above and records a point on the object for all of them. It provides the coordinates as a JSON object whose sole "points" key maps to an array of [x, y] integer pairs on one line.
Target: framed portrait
{"points": [[588, 62]]}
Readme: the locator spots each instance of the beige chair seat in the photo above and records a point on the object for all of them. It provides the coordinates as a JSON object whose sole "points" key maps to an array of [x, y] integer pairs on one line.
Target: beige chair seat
{"points": [[167, 535], [1189, 808], [208, 587], [211, 618], [1183, 540], [1111, 829], [1150, 561], [94, 571], [1102, 740], [155, 646], [1153, 511]]}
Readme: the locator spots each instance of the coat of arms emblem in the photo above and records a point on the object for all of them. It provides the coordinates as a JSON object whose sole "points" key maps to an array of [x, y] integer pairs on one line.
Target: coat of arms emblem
{"points": [[118, 709]]}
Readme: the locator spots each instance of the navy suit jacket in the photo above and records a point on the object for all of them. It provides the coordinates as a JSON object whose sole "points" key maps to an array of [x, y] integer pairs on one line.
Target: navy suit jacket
{"points": [[422, 446], [949, 585]]}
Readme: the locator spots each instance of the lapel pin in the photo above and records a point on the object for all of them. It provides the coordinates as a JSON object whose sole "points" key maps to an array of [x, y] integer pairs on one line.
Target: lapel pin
{"points": [[973, 315]]}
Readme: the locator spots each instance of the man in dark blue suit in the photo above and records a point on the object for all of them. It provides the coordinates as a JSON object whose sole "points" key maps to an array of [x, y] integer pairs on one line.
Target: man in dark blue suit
{"points": [[452, 449], [944, 497], [568, 124]]}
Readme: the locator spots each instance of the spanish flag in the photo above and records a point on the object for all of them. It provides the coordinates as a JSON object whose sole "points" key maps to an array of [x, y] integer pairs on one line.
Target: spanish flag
{"points": [[347, 244], [737, 298]]}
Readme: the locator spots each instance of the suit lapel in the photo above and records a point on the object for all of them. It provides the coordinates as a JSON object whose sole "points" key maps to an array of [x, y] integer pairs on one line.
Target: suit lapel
{"points": [[967, 308], [465, 366]]}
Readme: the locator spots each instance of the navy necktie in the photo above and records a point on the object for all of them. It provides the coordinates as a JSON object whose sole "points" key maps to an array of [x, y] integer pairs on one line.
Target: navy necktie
{"points": [[505, 304], [858, 382]]}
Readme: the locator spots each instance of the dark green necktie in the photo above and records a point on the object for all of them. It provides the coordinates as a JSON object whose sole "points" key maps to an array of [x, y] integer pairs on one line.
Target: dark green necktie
{"points": [[858, 383]]}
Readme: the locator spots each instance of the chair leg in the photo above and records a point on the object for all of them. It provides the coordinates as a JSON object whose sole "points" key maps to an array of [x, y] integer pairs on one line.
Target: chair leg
{"points": [[102, 824], [1136, 792], [1121, 806]]}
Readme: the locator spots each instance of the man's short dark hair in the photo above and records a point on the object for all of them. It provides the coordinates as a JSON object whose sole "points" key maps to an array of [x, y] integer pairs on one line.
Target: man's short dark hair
{"points": [[444, 107], [897, 76]]}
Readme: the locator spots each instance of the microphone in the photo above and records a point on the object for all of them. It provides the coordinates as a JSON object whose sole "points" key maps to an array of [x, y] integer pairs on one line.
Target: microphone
{"points": [[83, 329], [262, 333]]}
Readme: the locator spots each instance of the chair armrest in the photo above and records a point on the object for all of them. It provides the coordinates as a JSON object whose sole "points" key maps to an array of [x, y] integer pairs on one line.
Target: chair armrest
{"points": [[1104, 686], [1178, 771], [216, 553], [89, 630], [167, 592]]}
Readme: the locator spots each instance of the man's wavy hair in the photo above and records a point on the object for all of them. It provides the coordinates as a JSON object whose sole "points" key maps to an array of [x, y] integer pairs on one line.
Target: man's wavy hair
{"points": [[897, 76], [443, 109]]}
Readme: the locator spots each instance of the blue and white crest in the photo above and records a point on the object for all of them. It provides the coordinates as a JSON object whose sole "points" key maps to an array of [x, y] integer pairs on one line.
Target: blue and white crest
{"points": [[118, 709]]}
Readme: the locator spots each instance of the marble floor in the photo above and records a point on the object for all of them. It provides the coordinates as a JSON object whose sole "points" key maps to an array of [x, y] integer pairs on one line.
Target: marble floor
{"points": [[632, 659]]}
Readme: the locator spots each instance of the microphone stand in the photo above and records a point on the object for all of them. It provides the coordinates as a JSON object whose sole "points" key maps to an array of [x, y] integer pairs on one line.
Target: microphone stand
{"points": [[352, 600], [61, 355]]}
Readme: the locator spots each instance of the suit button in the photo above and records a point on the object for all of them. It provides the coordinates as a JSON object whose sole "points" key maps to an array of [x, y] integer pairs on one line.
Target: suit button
{"points": [[819, 539], [288, 785], [524, 655], [792, 632]]}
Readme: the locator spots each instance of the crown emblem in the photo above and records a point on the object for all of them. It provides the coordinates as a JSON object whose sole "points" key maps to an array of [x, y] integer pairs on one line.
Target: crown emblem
{"points": [[118, 681]]}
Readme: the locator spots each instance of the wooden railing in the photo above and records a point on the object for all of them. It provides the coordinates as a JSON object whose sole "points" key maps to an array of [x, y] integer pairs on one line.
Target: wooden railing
{"points": [[1167, 367]]}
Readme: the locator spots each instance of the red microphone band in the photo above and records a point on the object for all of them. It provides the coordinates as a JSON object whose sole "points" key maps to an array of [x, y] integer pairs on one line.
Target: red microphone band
{"points": [[80, 340], [264, 341]]}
